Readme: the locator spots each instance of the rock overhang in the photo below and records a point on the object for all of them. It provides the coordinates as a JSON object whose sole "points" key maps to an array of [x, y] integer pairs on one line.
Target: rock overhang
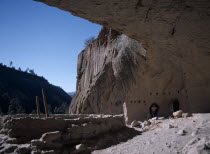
{"points": [[176, 36], [142, 19]]}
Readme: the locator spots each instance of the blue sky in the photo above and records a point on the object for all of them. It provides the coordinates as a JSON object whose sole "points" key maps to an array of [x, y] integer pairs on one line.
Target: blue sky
{"points": [[46, 39]]}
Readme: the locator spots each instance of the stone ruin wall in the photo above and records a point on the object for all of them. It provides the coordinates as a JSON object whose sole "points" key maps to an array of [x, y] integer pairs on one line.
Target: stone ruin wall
{"points": [[59, 133], [31, 127]]}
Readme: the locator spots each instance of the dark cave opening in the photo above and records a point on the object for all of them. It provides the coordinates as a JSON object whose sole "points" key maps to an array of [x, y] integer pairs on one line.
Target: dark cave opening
{"points": [[175, 105]]}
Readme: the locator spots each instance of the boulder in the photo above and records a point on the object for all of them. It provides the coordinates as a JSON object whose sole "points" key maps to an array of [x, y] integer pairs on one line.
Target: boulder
{"points": [[181, 132], [154, 118], [135, 124], [37, 143], [161, 118], [51, 136], [146, 128], [178, 114], [80, 147], [146, 124]]}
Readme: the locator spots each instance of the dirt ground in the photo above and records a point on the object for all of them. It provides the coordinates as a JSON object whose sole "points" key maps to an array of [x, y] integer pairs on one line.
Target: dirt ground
{"points": [[171, 136]]}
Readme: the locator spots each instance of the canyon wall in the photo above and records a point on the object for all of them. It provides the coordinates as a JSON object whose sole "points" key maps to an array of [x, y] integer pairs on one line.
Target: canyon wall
{"points": [[176, 38], [106, 68]]}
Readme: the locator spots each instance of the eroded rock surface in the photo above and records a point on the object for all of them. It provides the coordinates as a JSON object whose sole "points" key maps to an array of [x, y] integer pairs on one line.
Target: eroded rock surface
{"points": [[106, 68], [175, 35]]}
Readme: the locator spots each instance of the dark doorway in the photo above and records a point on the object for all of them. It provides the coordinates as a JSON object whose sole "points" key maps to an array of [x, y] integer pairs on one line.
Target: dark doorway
{"points": [[154, 110], [175, 105]]}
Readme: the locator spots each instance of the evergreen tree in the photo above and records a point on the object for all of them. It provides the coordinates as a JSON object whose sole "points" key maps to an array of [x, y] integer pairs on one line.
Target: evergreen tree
{"points": [[62, 109], [34, 112], [11, 109], [27, 70], [32, 71], [15, 107], [50, 109], [11, 63]]}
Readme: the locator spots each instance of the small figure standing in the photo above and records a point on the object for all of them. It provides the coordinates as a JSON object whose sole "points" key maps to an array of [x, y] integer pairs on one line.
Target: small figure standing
{"points": [[154, 109]]}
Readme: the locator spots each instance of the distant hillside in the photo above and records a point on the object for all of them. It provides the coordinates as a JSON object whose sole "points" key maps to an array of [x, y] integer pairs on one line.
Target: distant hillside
{"points": [[71, 93], [18, 91]]}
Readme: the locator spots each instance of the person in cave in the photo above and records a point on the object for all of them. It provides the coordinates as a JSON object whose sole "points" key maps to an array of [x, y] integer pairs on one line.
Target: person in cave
{"points": [[154, 110]]}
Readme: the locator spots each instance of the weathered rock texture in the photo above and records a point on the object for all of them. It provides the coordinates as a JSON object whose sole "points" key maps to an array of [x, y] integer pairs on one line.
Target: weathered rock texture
{"points": [[176, 36], [105, 71]]}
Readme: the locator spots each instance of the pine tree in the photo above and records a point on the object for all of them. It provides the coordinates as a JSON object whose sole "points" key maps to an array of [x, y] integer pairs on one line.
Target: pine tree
{"points": [[11, 63]]}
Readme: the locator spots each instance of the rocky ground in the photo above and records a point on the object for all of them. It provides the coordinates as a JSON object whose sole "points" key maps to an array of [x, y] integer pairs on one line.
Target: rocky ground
{"points": [[190, 135], [182, 134]]}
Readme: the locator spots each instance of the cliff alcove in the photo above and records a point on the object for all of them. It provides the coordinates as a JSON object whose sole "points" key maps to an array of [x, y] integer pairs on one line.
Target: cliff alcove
{"points": [[171, 54]]}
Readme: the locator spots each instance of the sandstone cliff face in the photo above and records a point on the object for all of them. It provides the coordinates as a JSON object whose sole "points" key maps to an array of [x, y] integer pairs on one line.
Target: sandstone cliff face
{"points": [[106, 68], [175, 35]]}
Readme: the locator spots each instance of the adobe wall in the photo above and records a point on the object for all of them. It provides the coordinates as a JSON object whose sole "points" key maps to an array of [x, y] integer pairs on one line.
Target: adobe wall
{"points": [[34, 127], [139, 109], [62, 133]]}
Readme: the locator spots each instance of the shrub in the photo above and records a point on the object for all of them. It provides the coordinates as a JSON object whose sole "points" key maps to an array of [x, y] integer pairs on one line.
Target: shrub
{"points": [[89, 41]]}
